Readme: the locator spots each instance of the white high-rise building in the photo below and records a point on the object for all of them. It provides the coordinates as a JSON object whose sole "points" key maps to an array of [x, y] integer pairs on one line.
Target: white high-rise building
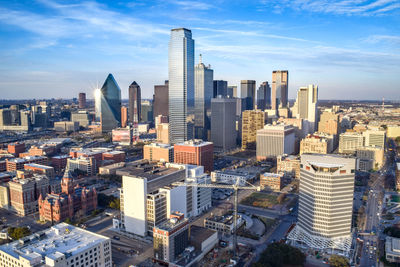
{"points": [[306, 106], [326, 202], [181, 82]]}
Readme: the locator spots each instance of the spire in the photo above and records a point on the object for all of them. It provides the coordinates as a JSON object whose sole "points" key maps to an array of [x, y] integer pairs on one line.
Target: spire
{"points": [[200, 59]]}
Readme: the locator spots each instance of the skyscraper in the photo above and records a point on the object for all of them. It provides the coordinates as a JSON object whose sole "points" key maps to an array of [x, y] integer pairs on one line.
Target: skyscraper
{"points": [[220, 88], [124, 116], [160, 100], [326, 202], [108, 104], [232, 91], [203, 87], [82, 100], [135, 98], [181, 82], [279, 93], [264, 96], [223, 123], [306, 106], [248, 93]]}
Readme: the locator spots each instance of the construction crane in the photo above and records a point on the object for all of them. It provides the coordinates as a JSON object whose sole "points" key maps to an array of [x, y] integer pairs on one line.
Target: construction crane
{"points": [[236, 186]]}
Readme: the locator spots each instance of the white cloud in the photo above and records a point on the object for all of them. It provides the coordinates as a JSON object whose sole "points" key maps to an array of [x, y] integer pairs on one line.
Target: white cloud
{"points": [[192, 5]]}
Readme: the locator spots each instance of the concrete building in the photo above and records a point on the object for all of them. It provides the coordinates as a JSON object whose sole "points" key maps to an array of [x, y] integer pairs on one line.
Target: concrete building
{"points": [[315, 144], [275, 140], [82, 117], [272, 181], [82, 100], [375, 138], [66, 126], [203, 92], [171, 238], [279, 92], [25, 192], [181, 82], [163, 133], [232, 91], [87, 165], [252, 120], [326, 202], [392, 249], [135, 100], [223, 123], [160, 100], [248, 94], [224, 224], [264, 96], [58, 246], [158, 152], [393, 131], [306, 106], [232, 176], [349, 142], [329, 123], [289, 165], [370, 158], [196, 152]]}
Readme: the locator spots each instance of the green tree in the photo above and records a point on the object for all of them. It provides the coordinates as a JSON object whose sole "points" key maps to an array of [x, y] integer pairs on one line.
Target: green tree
{"points": [[69, 221], [277, 255], [338, 261], [18, 232], [115, 204]]}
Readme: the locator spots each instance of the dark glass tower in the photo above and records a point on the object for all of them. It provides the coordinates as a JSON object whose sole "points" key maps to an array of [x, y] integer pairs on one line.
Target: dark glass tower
{"points": [[135, 99], [108, 103]]}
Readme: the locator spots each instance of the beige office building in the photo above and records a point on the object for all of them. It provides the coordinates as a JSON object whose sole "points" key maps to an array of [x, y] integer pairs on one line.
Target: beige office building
{"points": [[275, 140], [314, 144], [163, 133], [370, 158], [158, 152], [329, 123], [252, 120], [375, 138], [289, 165], [279, 89], [349, 142]]}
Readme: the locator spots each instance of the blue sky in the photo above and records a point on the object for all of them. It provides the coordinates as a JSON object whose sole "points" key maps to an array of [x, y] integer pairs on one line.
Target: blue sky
{"points": [[53, 48]]}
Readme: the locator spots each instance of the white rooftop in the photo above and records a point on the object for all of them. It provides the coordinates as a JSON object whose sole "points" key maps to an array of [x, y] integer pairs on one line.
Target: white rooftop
{"points": [[195, 143], [60, 239]]}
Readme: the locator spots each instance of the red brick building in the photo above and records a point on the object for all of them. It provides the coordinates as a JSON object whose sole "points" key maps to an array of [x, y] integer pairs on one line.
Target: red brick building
{"points": [[59, 162], [196, 152], [16, 148], [18, 163], [116, 156], [74, 201]]}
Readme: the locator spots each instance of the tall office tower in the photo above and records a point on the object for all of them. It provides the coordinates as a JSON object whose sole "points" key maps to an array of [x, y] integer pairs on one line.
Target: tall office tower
{"points": [[135, 99], [223, 123], [82, 100], [195, 152], [326, 202], [108, 104], [232, 91], [279, 92], [203, 88], [146, 111], [160, 100], [181, 82], [264, 96], [220, 87], [306, 106], [124, 116], [275, 140], [252, 120], [329, 123], [248, 94]]}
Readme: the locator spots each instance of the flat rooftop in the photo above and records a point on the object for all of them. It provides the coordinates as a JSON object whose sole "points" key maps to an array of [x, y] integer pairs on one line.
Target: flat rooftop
{"points": [[59, 240], [199, 233], [25, 159], [149, 170], [39, 166], [194, 143]]}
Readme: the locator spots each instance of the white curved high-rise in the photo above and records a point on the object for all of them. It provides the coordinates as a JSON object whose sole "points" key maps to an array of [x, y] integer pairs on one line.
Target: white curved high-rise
{"points": [[181, 82]]}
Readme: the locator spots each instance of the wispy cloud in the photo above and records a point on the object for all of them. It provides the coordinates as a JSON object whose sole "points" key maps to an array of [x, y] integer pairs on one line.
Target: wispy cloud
{"points": [[391, 39], [341, 7], [192, 5]]}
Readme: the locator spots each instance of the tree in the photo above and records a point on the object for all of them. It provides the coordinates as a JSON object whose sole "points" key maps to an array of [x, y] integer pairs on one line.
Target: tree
{"points": [[397, 139], [277, 255], [69, 221], [18, 232], [281, 198], [338, 261], [115, 204]]}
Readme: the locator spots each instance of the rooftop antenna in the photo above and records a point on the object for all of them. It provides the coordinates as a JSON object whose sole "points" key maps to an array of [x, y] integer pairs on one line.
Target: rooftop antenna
{"points": [[200, 59]]}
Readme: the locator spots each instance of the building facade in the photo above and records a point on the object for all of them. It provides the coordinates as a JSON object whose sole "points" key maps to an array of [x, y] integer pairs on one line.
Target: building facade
{"points": [[158, 152], [160, 100], [275, 140], [82, 101], [248, 94], [264, 96], [135, 100], [196, 152], [223, 123], [279, 90], [252, 120], [289, 165], [272, 181]]}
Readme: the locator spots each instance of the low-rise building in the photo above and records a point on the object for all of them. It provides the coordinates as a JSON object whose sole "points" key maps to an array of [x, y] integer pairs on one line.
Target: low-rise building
{"points": [[58, 246], [87, 165], [231, 177], [115, 156], [392, 249], [224, 224], [158, 152], [350, 141], [393, 131], [272, 181], [369, 158], [16, 148], [289, 165], [315, 144], [196, 152], [59, 162], [66, 126], [18, 163], [41, 169]]}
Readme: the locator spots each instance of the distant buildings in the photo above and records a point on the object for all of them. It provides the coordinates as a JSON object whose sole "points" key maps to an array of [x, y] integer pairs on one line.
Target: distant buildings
{"points": [[393, 131], [264, 96], [123, 136], [82, 101], [203, 89], [82, 117], [279, 92], [248, 94], [66, 126], [124, 116], [329, 123], [59, 246], [16, 148], [135, 100], [158, 152], [181, 82], [232, 91], [18, 163], [108, 104], [329, 180], [275, 140], [160, 101], [252, 120], [146, 111], [223, 123], [196, 152]]}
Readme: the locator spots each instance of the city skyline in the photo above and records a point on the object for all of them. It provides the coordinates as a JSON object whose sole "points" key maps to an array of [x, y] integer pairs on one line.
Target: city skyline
{"points": [[62, 49]]}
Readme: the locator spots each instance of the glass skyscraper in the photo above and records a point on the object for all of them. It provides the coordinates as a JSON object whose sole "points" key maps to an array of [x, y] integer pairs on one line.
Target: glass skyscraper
{"points": [[108, 104], [181, 82], [203, 88]]}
